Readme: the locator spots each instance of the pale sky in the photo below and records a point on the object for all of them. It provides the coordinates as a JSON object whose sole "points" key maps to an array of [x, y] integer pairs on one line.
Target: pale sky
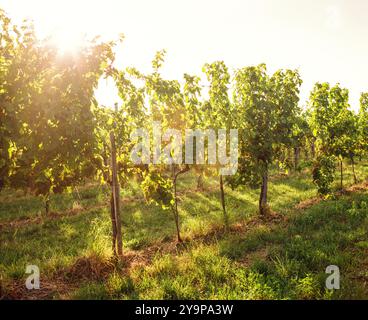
{"points": [[325, 39]]}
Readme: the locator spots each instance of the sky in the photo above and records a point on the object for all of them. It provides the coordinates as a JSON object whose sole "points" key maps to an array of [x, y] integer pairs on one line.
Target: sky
{"points": [[325, 39]]}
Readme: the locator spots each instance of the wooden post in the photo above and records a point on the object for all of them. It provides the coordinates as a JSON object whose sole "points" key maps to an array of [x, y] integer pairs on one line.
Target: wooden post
{"points": [[47, 203], [113, 222], [341, 174], [354, 174], [263, 209], [115, 201], [223, 203]]}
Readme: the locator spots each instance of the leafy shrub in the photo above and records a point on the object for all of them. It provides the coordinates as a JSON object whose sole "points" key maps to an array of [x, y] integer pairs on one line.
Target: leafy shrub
{"points": [[323, 173], [157, 189]]}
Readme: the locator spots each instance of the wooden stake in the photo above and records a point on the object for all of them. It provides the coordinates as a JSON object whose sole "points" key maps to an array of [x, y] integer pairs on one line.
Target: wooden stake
{"points": [[116, 196]]}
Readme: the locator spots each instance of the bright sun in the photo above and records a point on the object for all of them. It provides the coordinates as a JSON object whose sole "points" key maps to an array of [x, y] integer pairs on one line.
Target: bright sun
{"points": [[68, 28], [67, 41], [66, 23]]}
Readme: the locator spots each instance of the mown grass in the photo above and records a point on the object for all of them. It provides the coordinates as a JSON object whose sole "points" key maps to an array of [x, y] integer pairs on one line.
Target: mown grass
{"points": [[284, 260]]}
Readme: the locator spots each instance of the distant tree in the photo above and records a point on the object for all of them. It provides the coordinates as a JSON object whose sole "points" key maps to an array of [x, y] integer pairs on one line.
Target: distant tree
{"points": [[363, 123], [167, 108], [352, 139], [267, 108], [9, 106], [299, 136], [195, 117], [333, 122], [48, 133], [219, 109], [309, 134]]}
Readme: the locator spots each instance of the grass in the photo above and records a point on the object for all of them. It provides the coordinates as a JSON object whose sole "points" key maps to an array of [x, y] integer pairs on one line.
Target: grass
{"points": [[283, 259]]}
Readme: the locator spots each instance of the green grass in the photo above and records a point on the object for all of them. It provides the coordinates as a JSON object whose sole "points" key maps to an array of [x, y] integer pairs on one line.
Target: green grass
{"points": [[284, 260]]}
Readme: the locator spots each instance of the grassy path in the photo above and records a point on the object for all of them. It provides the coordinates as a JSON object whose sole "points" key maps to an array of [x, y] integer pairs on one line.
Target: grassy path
{"points": [[282, 257]]}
